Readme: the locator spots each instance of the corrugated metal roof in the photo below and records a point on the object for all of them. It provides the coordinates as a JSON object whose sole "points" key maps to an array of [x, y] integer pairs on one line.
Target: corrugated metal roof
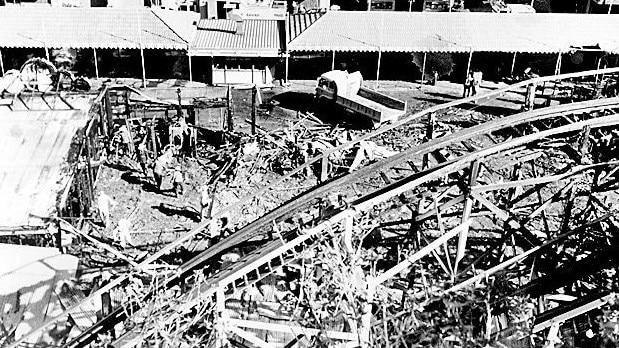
{"points": [[183, 23], [299, 22], [22, 26], [457, 32], [33, 168], [217, 37]]}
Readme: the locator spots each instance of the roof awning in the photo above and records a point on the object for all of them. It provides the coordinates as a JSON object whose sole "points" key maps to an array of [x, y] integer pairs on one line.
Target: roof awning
{"points": [[465, 32], [57, 27]]}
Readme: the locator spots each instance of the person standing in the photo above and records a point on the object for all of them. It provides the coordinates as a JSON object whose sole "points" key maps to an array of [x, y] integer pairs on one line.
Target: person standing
{"points": [[468, 83], [205, 202], [161, 165], [104, 202], [177, 181], [477, 77]]}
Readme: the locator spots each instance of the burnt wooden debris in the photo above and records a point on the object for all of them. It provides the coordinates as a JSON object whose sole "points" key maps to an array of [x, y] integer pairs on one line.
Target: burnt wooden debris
{"points": [[499, 231]]}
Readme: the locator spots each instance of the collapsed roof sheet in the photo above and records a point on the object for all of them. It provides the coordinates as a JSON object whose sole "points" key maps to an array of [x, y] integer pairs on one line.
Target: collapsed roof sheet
{"points": [[33, 168]]}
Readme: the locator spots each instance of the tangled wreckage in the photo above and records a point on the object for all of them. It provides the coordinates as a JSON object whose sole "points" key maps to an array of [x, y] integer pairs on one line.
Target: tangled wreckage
{"points": [[447, 227]]}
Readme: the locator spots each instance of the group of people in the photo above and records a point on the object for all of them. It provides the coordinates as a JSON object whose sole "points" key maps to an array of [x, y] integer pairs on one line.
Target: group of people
{"points": [[472, 83]]}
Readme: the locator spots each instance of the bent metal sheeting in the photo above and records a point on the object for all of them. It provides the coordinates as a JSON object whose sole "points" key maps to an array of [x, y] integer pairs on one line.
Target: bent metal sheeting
{"points": [[33, 164], [98, 27], [457, 32]]}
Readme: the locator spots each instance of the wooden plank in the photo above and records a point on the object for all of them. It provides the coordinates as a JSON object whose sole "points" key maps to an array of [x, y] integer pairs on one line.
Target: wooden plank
{"points": [[466, 213]]}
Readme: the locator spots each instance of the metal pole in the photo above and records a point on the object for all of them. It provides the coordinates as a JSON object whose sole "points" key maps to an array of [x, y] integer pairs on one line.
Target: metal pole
{"points": [[558, 66], [286, 76], [1, 63], [253, 109], [410, 5], [468, 65], [190, 69], [333, 61], [141, 50], [378, 67], [94, 50], [423, 67], [514, 63], [610, 6]]}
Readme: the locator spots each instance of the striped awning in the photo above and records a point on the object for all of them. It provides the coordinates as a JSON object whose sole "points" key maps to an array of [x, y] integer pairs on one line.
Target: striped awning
{"points": [[99, 27], [458, 32]]}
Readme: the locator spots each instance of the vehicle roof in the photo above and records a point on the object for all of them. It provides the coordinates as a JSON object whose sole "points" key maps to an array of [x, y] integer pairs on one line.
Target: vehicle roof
{"points": [[335, 75]]}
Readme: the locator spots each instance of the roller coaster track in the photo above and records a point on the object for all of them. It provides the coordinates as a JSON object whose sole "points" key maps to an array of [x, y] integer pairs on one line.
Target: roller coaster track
{"points": [[265, 260], [427, 161]]}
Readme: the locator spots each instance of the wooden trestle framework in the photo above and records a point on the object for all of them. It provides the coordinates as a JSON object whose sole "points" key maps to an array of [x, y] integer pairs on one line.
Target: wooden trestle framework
{"points": [[486, 205]]}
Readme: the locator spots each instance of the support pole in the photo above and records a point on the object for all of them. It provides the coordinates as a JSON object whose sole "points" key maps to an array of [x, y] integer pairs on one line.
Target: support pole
{"points": [[190, 69], [423, 67], [230, 111], [333, 61], [468, 65], [286, 76], [378, 67], [610, 6], [143, 68], [1, 63], [253, 110], [513, 63], [141, 50], [558, 66], [94, 50]]}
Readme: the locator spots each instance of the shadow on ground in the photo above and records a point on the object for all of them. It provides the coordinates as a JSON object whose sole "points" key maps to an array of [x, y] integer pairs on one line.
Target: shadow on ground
{"points": [[184, 211]]}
